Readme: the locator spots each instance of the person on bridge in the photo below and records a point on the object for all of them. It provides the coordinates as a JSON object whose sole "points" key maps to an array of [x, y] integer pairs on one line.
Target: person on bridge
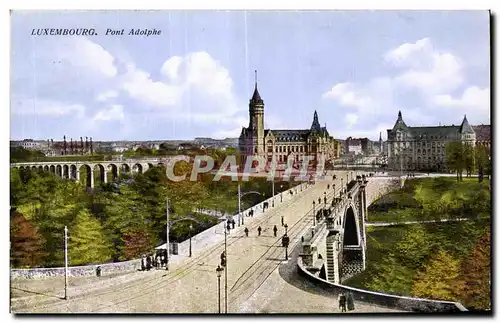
{"points": [[328, 187], [282, 220], [275, 229], [342, 301], [260, 230], [319, 200], [350, 301], [246, 231]]}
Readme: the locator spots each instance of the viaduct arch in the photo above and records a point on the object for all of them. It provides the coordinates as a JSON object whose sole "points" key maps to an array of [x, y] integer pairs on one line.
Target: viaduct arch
{"points": [[92, 172]]}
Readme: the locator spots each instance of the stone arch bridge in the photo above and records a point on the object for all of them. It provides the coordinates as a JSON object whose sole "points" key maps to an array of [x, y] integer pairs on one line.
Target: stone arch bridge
{"points": [[103, 171], [335, 249]]}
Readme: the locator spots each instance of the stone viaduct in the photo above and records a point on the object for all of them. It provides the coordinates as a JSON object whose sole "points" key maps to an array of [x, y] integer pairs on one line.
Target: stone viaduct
{"points": [[336, 246], [104, 171]]}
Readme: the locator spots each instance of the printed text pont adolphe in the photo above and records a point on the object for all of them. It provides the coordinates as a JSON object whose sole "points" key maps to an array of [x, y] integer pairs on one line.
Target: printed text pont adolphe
{"points": [[92, 32]]}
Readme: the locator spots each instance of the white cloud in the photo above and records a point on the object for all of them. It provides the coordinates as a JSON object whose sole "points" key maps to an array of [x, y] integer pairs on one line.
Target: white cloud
{"points": [[424, 78], [409, 54], [138, 84], [104, 96], [194, 87], [114, 113], [474, 101], [46, 108], [351, 119], [86, 55], [345, 94]]}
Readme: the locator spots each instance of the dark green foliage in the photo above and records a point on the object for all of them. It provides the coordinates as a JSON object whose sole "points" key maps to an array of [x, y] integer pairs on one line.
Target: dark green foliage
{"points": [[125, 217], [435, 260]]}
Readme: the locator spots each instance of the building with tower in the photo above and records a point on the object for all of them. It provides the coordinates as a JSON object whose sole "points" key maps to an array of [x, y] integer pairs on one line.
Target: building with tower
{"points": [[284, 144], [423, 148]]}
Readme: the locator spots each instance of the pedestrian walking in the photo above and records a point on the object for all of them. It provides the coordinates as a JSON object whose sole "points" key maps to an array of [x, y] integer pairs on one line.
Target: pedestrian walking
{"points": [[275, 229], [342, 301], [246, 231], [259, 229], [148, 263], [350, 301], [282, 220], [143, 263]]}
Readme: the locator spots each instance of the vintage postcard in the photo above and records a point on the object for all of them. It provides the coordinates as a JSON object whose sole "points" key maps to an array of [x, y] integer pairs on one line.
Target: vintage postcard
{"points": [[259, 162]]}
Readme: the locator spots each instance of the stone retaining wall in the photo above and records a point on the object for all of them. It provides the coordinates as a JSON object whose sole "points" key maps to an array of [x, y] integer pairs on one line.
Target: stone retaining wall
{"points": [[89, 270], [407, 304]]}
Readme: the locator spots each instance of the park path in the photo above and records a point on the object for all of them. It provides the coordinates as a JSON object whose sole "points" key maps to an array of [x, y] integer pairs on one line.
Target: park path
{"points": [[390, 224], [192, 286]]}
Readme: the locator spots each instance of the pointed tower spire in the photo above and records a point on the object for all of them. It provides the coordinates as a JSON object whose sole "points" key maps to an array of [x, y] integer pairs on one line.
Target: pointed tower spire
{"points": [[315, 124], [256, 96], [465, 126], [380, 137], [400, 123]]}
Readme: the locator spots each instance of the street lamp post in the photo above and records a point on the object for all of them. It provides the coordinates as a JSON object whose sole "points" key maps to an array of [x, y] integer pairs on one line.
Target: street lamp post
{"points": [[225, 270], [168, 232], [286, 228], [240, 195], [219, 274], [190, 233], [65, 262], [324, 197], [281, 193]]}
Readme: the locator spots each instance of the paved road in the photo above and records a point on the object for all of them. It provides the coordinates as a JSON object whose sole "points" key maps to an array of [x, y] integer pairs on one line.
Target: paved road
{"points": [[191, 287]]}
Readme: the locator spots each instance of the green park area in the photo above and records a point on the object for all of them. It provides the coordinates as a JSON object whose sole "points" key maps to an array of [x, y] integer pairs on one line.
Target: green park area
{"points": [[116, 221], [445, 261]]}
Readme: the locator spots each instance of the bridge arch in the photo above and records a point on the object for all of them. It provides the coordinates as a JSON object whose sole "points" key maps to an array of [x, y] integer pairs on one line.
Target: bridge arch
{"points": [[351, 227], [125, 168], [52, 169], [73, 172], [34, 168], [112, 172], [65, 171], [99, 173], [85, 172], [59, 170], [150, 166], [137, 168], [45, 168]]}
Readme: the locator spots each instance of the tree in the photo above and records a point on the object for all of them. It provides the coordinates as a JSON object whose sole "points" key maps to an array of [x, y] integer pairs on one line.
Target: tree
{"points": [[26, 249], [468, 158], [414, 247], [455, 157], [137, 241], [88, 244], [437, 279], [391, 277], [483, 162], [474, 284]]}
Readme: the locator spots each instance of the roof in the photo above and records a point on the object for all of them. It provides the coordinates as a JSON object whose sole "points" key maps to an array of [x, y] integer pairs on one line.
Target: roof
{"points": [[465, 126], [483, 132], [289, 134]]}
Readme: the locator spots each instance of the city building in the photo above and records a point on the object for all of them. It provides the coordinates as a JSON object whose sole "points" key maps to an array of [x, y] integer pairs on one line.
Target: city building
{"points": [[283, 144], [423, 148], [354, 146], [483, 136]]}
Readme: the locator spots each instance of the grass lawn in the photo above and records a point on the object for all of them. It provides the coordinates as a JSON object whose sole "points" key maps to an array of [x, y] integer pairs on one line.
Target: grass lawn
{"points": [[431, 199]]}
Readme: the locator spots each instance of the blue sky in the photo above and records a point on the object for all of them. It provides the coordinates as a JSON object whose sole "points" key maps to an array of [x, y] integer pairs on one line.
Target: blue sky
{"points": [[356, 68]]}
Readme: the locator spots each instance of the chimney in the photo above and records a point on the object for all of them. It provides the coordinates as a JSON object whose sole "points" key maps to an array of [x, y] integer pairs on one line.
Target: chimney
{"points": [[91, 148]]}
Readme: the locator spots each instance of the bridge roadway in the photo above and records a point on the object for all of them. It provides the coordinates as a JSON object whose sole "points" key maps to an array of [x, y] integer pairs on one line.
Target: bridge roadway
{"points": [[254, 281]]}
